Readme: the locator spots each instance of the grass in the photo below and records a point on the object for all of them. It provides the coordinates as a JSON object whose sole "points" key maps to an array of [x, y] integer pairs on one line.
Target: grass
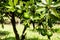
{"points": [[31, 35]]}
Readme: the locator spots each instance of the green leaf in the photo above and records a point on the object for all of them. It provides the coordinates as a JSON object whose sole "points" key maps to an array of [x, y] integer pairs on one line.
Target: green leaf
{"points": [[21, 3], [54, 12], [32, 1], [49, 2], [15, 2], [8, 6], [42, 16], [57, 5], [54, 18], [11, 9], [44, 1], [10, 3], [40, 9]]}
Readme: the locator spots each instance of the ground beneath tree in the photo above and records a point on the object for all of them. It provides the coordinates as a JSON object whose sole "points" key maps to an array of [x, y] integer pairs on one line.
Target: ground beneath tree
{"points": [[31, 35]]}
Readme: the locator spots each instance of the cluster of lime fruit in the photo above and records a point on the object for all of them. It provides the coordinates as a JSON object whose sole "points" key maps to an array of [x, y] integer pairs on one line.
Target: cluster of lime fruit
{"points": [[49, 33]]}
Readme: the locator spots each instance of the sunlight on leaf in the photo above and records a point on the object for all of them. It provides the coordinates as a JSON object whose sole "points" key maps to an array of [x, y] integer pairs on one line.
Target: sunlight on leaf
{"points": [[54, 12], [15, 2], [10, 3]]}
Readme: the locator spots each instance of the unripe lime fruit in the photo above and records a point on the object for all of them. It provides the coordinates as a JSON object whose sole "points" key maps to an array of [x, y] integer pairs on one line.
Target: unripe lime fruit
{"points": [[43, 32], [49, 33], [26, 15]]}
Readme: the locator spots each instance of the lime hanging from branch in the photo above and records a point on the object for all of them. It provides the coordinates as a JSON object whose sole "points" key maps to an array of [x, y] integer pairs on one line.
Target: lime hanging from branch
{"points": [[26, 15], [43, 32], [49, 33]]}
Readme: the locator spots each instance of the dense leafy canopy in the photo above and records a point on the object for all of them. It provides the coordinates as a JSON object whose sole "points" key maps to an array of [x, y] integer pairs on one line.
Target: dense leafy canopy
{"points": [[42, 12]]}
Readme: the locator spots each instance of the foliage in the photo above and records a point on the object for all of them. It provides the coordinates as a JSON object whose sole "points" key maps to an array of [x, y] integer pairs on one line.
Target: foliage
{"points": [[41, 12]]}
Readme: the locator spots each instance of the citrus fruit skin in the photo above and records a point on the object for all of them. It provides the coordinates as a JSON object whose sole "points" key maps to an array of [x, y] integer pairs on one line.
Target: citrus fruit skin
{"points": [[26, 15], [43, 32], [49, 33]]}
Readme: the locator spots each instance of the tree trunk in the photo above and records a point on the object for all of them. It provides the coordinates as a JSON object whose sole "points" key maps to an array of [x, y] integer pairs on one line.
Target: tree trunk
{"points": [[33, 25], [48, 38], [23, 35], [14, 26]]}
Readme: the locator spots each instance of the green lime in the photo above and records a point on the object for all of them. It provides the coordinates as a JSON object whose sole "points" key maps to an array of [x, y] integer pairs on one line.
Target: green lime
{"points": [[49, 33], [26, 15], [43, 32]]}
